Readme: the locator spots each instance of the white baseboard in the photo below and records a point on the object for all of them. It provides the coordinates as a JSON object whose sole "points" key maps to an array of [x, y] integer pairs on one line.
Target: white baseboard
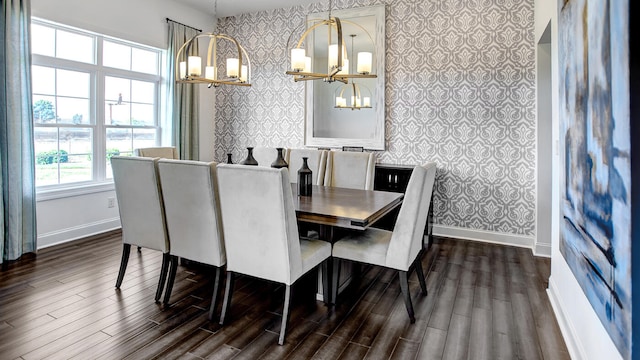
{"points": [[77, 232], [566, 328], [485, 236], [543, 250]]}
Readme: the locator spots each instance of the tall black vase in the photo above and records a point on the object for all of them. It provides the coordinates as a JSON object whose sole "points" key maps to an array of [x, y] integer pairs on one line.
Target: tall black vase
{"points": [[280, 161], [304, 179], [229, 158], [250, 160]]}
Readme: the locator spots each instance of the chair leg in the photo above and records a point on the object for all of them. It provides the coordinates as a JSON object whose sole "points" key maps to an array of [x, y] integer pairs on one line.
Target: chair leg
{"points": [[326, 283], [285, 314], [216, 290], [335, 282], [166, 260], [228, 291], [171, 279], [404, 286], [126, 250], [420, 273]]}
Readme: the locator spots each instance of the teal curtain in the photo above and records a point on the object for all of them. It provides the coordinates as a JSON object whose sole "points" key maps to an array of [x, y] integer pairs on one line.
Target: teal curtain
{"points": [[18, 197], [184, 108]]}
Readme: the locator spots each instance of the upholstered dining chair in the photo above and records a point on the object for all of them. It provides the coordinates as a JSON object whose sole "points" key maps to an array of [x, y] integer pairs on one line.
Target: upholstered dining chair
{"points": [[190, 194], [400, 249], [141, 211], [267, 155], [167, 152], [261, 232], [317, 161], [347, 169]]}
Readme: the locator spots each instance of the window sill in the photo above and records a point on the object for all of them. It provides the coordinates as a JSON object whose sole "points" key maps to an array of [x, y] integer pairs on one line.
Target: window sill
{"points": [[73, 190]]}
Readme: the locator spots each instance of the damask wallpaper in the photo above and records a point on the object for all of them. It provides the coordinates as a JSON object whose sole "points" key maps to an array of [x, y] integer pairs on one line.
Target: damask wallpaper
{"points": [[460, 91]]}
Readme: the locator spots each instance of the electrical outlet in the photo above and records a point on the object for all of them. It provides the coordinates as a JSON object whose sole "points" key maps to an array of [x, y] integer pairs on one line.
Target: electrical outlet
{"points": [[111, 202]]}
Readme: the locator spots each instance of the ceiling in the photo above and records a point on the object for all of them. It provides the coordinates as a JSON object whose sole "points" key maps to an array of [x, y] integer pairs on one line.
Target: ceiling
{"points": [[236, 7]]}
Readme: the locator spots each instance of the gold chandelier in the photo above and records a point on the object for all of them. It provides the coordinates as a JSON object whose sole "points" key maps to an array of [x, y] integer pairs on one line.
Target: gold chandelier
{"points": [[302, 66], [189, 69]]}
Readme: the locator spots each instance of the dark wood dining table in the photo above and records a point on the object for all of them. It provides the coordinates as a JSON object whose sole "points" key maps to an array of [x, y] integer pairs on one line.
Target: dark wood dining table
{"points": [[334, 208]]}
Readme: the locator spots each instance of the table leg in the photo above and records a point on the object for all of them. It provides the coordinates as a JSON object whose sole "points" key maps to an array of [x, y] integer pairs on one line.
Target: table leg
{"points": [[325, 233]]}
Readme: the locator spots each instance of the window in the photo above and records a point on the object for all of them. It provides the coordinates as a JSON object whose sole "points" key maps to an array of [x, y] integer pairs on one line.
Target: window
{"points": [[93, 97]]}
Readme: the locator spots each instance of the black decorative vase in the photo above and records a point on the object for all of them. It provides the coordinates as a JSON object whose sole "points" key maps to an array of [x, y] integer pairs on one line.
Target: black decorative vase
{"points": [[304, 179], [250, 160], [229, 158], [280, 162]]}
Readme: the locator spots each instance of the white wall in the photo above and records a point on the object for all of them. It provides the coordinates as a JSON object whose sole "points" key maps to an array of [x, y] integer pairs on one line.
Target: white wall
{"points": [[583, 332], [544, 139], [141, 21]]}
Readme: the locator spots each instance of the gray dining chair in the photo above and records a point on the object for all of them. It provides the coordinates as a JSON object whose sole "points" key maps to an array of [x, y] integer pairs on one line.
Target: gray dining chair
{"points": [[316, 160], [353, 170], [141, 210], [261, 232], [400, 249], [164, 152], [190, 194]]}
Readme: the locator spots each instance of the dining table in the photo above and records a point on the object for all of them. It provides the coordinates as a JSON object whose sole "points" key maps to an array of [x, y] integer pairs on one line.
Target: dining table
{"points": [[335, 208]]}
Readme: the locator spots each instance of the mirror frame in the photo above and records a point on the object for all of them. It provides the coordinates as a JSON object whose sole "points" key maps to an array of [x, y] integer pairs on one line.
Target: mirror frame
{"points": [[377, 142]]}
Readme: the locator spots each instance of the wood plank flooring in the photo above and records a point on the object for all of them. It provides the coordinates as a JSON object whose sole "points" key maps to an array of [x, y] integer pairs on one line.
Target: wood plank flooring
{"points": [[485, 302]]}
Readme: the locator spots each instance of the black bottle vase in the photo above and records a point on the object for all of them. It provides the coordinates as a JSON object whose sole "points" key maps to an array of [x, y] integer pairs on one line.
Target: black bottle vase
{"points": [[304, 179], [280, 161], [229, 158], [250, 160]]}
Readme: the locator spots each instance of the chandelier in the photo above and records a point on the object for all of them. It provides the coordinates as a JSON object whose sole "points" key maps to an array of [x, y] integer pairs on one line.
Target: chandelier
{"points": [[359, 96], [190, 68], [303, 66]]}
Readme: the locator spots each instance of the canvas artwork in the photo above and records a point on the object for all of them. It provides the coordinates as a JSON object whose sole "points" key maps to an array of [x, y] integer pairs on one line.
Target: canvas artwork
{"points": [[594, 108]]}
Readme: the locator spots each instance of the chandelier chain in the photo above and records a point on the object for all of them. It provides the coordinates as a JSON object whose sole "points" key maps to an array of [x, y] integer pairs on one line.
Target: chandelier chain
{"points": [[215, 14]]}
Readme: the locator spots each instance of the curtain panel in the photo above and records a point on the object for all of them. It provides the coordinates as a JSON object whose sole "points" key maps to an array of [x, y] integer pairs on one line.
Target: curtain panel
{"points": [[18, 233], [183, 98]]}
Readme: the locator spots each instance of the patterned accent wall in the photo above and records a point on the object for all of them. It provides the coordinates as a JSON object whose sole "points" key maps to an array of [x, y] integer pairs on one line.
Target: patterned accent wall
{"points": [[460, 91]]}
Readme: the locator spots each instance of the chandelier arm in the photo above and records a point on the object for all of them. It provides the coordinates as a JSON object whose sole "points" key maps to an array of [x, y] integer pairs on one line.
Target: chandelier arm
{"points": [[306, 33], [215, 56], [216, 82], [374, 52], [340, 42], [356, 76]]}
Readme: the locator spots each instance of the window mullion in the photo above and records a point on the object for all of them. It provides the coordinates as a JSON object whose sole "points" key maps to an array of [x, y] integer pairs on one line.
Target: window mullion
{"points": [[100, 143]]}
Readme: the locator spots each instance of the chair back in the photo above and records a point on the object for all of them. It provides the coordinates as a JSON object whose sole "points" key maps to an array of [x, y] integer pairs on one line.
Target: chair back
{"points": [[354, 170], [140, 202], [190, 194], [406, 240], [266, 155], [317, 161], [168, 152], [259, 221]]}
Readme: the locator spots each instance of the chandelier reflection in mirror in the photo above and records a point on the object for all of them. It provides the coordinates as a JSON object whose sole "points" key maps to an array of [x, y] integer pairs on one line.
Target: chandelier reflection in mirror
{"points": [[305, 67], [238, 68], [351, 95]]}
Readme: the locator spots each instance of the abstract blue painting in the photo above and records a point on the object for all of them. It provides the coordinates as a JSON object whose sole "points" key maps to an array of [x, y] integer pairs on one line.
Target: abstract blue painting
{"points": [[594, 110]]}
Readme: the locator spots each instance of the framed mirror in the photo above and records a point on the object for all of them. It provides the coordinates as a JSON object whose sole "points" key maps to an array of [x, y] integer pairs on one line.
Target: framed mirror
{"points": [[328, 125]]}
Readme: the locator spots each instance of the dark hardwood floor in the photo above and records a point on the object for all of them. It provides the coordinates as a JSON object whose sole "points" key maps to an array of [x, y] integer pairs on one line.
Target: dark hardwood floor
{"points": [[485, 302]]}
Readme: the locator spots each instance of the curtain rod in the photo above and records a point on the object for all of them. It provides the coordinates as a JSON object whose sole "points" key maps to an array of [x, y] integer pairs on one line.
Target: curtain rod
{"points": [[199, 30]]}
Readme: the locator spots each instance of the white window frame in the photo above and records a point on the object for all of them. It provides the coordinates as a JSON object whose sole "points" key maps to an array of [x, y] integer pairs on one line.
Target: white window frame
{"points": [[97, 73]]}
